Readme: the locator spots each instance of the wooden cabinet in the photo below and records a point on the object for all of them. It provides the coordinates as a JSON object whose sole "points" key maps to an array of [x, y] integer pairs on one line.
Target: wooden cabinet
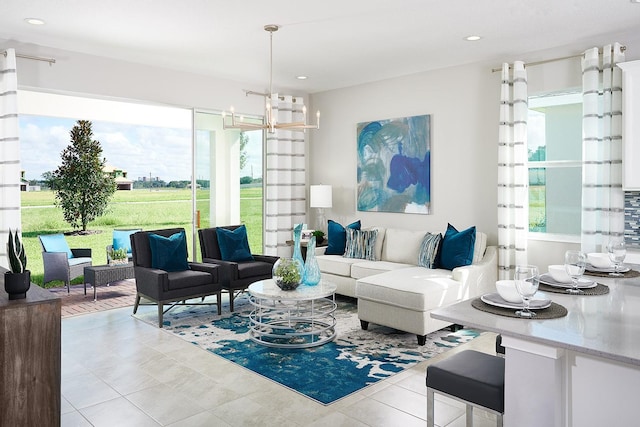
{"points": [[30, 358], [631, 125]]}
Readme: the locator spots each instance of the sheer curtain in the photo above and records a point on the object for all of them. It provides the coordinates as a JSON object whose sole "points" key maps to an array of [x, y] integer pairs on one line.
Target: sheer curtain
{"points": [[285, 201], [513, 194], [9, 151], [602, 195]]}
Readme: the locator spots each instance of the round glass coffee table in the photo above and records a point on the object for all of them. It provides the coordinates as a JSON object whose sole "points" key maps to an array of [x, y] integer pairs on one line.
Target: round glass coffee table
{"points": [[302, 318]]}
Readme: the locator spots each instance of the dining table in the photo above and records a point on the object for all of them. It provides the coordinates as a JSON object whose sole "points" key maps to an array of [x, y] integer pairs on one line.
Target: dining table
{"points": [[579, 369]]}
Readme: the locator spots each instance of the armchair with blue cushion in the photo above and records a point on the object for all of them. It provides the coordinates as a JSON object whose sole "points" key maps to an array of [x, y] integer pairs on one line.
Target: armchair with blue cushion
{"points": [[62, 262], [121, 240], [228, 247], [164, 275]]}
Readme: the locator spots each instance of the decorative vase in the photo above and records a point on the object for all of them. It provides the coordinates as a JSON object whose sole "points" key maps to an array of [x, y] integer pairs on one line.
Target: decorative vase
{"points": [[297, 253], [121, 261], [311, 267], [287, 273], [17, 284]]}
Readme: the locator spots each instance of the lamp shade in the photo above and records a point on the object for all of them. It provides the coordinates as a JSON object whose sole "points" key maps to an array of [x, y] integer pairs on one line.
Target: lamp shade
{"points": [[320, 196]]}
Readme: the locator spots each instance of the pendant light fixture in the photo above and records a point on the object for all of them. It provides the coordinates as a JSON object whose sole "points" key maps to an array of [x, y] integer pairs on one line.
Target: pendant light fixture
{"points": [[271, 123]]}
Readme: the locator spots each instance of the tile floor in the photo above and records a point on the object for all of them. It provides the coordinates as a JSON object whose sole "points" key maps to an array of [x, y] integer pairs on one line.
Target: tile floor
{"points": [[119, 371]]}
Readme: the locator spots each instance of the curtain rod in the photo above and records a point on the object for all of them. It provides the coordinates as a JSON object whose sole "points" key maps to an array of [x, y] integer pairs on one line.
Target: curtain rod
{"points": [[51, 61], [546, 61]]}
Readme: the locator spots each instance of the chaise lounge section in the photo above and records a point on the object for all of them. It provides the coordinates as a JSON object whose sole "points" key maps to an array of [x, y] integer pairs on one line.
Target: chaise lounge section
{"points": [[394, 291]]}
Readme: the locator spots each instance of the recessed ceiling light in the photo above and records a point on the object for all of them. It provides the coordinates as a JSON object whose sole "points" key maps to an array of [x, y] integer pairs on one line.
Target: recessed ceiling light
{"points": [[472, 38], [34, 21], [301, 77]]}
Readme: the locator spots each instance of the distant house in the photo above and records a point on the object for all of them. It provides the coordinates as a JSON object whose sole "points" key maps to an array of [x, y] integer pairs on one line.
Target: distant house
{"points": [[120, 176], [24, 184]]}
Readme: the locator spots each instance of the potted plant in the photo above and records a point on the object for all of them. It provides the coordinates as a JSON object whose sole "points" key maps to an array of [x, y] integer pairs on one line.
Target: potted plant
{"points": [[287, 273], [319, 236], [118, 256], [18, 280]]}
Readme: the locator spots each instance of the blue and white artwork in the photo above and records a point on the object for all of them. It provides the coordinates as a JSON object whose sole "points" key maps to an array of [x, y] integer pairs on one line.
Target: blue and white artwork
{"points": [[394, 165]]}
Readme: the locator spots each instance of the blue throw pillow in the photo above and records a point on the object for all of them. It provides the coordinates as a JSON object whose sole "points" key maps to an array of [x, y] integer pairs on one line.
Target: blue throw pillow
{"points": [[456, 248], [338, 237], [234, 245], [56, 243], [121, 239], [169, 253]]}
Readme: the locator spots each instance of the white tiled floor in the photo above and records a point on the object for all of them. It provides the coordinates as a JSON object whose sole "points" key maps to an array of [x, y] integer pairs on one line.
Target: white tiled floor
{"points": [[119, 371]]}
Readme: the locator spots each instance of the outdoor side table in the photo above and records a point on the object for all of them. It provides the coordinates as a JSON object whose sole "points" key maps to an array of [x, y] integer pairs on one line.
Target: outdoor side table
{"points": [[97, 275]]}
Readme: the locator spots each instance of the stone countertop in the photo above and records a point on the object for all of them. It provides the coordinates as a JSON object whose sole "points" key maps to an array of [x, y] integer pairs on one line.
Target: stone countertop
{"points": [[606, 326]]}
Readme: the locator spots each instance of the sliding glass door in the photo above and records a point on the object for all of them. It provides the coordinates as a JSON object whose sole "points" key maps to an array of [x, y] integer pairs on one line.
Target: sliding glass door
{"points": [[228, 168]]}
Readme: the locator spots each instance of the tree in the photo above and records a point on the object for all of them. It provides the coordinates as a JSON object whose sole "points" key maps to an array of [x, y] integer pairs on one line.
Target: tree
{"points": [[82, 188], [244, 140]]}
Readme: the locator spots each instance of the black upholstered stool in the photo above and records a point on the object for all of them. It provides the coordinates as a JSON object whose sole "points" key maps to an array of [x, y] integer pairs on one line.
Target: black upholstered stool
{"points": [[475, 378]]}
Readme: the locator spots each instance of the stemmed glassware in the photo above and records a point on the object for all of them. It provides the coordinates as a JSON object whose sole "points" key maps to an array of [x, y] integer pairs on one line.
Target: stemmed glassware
{"points": [[617, 250], [527, 281], [574, 264]]}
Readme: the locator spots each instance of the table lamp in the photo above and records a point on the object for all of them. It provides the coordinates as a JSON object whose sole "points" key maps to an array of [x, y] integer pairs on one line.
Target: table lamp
{"points": [[320, 197]]}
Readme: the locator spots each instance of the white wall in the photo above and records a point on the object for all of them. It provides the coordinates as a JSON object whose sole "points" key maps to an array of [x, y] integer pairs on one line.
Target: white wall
{"points": [[463, 102]]}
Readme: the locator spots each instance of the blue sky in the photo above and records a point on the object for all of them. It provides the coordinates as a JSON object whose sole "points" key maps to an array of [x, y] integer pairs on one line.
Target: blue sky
{"points": [[140, 150]]}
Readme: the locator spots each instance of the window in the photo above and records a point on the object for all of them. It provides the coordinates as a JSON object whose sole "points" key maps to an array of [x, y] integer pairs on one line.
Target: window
{"points": [[555, 163]]}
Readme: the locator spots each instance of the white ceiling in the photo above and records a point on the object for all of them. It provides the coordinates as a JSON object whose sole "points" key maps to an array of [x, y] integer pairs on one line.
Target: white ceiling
{"points": [[337, 43]]}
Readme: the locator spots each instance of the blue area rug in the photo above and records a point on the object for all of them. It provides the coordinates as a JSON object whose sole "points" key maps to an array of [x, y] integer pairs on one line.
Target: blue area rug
{"points": [[327, 373]]}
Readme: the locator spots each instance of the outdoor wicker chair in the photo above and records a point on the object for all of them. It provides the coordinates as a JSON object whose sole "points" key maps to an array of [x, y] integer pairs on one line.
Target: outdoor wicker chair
{"points": [[62, 262]]}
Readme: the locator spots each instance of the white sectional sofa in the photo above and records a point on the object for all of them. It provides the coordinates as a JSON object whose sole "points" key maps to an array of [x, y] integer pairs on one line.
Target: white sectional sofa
{"points": [[394, 291]]}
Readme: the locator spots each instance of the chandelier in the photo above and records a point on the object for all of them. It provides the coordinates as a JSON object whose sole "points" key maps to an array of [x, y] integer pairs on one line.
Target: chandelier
{"points": [[271, 123]]}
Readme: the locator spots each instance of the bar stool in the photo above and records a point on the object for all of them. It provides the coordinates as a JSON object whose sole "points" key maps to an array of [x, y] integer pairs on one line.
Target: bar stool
{"points": [[472, 377]]}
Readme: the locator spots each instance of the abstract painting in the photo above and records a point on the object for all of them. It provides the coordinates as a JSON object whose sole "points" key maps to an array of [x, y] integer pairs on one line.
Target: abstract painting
{"points": [[394, 165]]}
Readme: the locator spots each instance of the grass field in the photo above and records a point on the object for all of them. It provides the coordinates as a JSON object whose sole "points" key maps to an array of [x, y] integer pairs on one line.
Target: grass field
{"points": [[128, 209]]}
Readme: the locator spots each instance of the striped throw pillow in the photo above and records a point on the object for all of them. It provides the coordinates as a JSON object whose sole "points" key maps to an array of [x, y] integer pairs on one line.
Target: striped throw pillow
{"points": [[429, 250], [361, 244]]}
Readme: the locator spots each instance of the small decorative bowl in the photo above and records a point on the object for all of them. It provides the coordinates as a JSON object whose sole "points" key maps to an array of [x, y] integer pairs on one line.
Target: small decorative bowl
{"points": [[559, 273], [287, 273], [599, 260], [508, 292]]}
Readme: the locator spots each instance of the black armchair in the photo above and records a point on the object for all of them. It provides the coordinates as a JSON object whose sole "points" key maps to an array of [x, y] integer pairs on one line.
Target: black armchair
{"points": [[161, 286], [234, 276]]}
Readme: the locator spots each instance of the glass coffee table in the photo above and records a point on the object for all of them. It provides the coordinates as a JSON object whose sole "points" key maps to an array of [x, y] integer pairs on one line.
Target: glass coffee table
{"points": [[302, 318]]}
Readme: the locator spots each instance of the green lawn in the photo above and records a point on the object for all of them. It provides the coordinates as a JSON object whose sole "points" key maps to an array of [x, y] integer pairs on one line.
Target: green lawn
{"points": [[128, 209]]}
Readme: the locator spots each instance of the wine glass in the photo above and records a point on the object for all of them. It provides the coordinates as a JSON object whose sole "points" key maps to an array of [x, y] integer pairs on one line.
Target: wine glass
{"points": [[574, 264], [527, 280], [617, 250]]}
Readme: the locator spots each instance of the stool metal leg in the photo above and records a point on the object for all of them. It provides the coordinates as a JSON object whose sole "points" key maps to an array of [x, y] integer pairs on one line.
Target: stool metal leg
{"points": [[430, 403], [499, 423], [469, 414]]}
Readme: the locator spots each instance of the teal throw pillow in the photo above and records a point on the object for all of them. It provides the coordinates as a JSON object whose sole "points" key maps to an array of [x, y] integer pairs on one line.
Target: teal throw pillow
{"points": [[56, 243], [234, 245], [456, 249], [169, 253], [122, 240], [338, 237], [429, 250], [361, 244]]}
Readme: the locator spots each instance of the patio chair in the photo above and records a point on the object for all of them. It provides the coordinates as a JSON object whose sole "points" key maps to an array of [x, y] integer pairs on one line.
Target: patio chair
{"points": [[62, 262], [121, 240], [164, 275], [240, 269]]}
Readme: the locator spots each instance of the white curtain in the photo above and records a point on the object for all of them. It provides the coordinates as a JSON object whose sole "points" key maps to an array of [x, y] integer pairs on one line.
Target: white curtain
{"points": [[513, 175], [285, 201], [602, 195], [9, 151]]}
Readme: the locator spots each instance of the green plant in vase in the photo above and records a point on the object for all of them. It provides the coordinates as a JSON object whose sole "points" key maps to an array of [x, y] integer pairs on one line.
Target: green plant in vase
{"points": [[18, 280], [319, 234], [287, 273], [118, 256]]}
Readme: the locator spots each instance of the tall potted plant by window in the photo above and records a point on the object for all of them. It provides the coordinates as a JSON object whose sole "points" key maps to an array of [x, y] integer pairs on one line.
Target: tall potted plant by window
{"points": [[18, 280]]}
